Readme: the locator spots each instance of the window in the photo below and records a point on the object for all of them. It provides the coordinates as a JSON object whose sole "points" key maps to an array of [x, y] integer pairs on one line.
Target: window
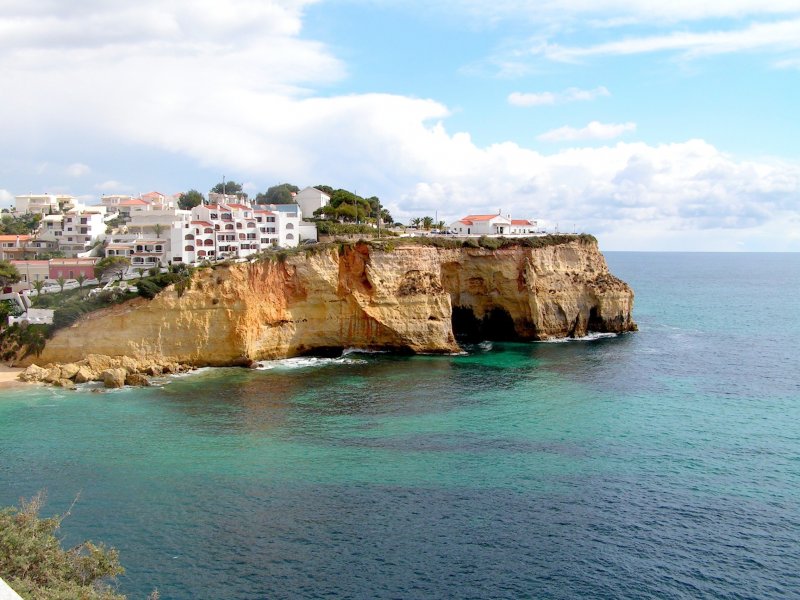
{"points": [[213, 216], [289, 226], [189, 248], [289, 236], [189, 236]]}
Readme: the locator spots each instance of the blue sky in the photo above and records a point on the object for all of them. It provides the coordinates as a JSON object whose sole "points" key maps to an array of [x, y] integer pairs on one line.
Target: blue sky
{"points": [[654, 127]]}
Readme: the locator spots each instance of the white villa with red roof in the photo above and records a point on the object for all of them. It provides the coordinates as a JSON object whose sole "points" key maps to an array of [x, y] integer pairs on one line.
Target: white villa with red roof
{"points": [[492, 225]]}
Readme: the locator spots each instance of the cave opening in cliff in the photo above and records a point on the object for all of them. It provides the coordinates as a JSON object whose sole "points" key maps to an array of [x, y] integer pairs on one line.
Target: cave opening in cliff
{"points": [[496, 325], [595, 321]]}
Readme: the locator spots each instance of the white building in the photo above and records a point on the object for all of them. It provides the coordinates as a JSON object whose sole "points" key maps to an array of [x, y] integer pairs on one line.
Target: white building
{"points": [[112, 201], [311, 199], [15, 246], [523, 227], [75, 231], [45, 204], [492, 225]]}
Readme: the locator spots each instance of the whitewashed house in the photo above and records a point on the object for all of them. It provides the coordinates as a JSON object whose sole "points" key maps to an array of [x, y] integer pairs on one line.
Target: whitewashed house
{"points": [[482, 225], [74, 232], [44, 204], [14, 246], [311, 199], [493, 225]]}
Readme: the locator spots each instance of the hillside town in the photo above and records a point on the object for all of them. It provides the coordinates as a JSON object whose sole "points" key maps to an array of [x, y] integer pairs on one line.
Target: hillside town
{"points": [[55, 242], [153, 230]]}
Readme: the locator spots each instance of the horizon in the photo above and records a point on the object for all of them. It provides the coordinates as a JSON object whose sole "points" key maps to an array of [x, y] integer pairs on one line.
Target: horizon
{"points": [[665, 128]]}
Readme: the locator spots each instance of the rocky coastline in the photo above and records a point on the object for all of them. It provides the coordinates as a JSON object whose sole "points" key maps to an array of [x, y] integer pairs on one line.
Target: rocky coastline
{"points": [[395, 297]]}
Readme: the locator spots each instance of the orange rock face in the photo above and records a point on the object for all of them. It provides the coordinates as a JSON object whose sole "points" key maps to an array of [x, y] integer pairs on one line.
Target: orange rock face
{"points": [[408, 298]]}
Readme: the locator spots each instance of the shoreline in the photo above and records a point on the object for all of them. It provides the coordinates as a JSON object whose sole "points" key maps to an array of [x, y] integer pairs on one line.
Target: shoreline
{"points": [[8, 377]]}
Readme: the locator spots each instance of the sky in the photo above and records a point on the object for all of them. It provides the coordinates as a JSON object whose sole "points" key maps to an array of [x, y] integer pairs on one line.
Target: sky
{"points": [[653, 125]]}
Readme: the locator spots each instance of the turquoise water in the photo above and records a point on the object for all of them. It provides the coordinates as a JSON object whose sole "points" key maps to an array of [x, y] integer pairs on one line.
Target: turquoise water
{"points": [[661, 464]]}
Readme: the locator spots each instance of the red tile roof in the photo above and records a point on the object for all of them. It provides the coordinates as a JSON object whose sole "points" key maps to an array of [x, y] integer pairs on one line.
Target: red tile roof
{"points": [[134, 202], [14, 238], [520, 222], [481, 217], [206, 223]]}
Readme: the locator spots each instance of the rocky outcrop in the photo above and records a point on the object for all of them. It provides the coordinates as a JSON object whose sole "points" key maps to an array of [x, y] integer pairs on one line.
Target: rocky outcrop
{"points": [[112, 371], [409, 298]]}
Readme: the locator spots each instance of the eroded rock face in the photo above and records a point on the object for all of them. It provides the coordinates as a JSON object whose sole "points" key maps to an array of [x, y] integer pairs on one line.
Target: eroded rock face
{"points": [[408, 298]]}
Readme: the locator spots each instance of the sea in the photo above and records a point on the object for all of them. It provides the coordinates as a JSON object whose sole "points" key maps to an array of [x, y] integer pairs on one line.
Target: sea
{"points": [[658, 464]]}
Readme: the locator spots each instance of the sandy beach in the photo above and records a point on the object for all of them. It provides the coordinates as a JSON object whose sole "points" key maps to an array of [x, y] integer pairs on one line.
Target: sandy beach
{"points": [[8, 376]]}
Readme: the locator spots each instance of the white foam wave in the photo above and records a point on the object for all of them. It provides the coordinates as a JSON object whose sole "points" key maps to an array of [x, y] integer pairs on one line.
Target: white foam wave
{"points": [[590, 337], [348, 351], [306, 362]]}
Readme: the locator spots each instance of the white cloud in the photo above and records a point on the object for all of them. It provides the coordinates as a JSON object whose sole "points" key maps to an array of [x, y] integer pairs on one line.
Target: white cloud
{"points": [[788, 63], [233, 89], [112, 185], [549, 98], [636, 196], [6, 198], [610, 12], [77, 170], [593, 131], [773, 36]]}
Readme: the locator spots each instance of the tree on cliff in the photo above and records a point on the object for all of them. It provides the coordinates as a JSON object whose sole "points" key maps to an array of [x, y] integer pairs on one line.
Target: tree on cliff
{"points": [[229, 187], [188, 200], [278, 194], [8, 274], [111, 266]]}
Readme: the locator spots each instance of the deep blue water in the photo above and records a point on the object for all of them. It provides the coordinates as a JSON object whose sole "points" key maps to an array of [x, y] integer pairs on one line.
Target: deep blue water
{"points": [[661, 464]]}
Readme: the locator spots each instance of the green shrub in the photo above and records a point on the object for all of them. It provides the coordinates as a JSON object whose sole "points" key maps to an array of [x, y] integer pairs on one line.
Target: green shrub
{"points": [[490, 243], [35, 565], [336, 228], [67, 315]]}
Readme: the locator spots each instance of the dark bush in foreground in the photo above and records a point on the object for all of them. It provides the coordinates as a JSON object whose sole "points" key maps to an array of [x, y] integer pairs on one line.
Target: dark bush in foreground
{"points": [[35, 565]]}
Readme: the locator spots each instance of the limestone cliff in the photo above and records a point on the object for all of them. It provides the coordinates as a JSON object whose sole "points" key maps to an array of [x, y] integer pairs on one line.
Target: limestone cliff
{"points": [[412, 298]]}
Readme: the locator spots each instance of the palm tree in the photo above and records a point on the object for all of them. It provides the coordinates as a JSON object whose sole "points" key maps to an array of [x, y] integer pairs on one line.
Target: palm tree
{"points": [[441, 226], [38, 285], [416, 222], [157, 229], [81, 278], [427, 223], [61, 281]]}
